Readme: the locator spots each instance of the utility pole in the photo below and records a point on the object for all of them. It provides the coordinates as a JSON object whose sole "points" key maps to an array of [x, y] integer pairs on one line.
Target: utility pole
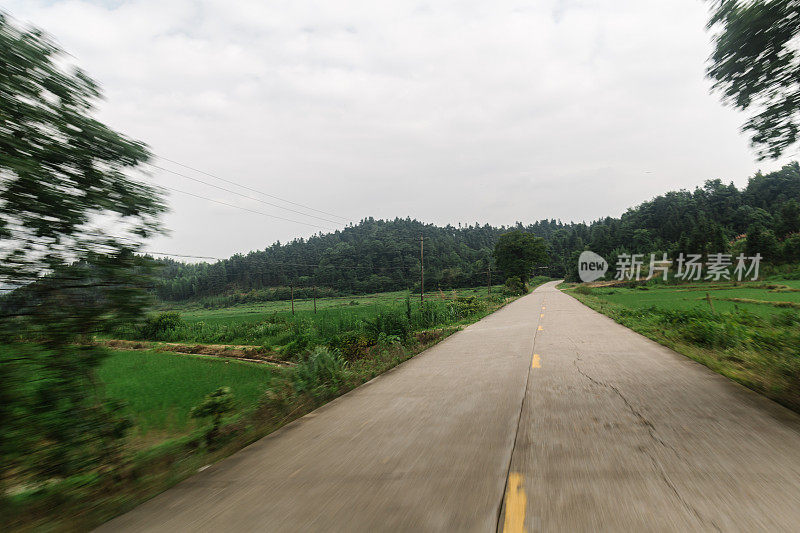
{"points": [[489, 281], [421, 270], [315, 299], [291, 288]]}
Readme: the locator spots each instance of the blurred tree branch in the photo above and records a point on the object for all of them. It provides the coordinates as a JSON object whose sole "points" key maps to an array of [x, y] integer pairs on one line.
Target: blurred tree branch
{"points": [[755, 66], [71, 218]]}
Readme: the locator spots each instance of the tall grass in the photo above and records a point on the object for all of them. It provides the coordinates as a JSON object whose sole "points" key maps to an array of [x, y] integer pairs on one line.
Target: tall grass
{"points": [[293, 335]]}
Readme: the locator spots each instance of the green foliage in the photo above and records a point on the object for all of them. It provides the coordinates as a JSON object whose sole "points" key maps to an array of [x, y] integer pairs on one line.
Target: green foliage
{"points": [[389, 322], [321, 374], [275, 294], [351, 344], [517, 253], [216, 405], [160, 325], [350, 329], [62, 170], [712, 218], [712, 332], [469, 305], [514, 286], [755, 65], [583, 289], [54, 423]]}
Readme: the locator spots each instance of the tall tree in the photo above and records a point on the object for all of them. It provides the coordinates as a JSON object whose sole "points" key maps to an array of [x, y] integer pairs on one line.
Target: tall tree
{"points": [[517, 253], [756, 66], [64, 182]]}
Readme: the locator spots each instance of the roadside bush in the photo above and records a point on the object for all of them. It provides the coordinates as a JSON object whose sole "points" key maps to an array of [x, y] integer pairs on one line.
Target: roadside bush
{"points": [[321, 374], [468, 306], [303, 337], [584, 289], [430, 314], [723, 333], [156, 327], [515, 287], [786, 319], [386, 341], [351, 345], [388, 323], [214, 406], [53, 424]]}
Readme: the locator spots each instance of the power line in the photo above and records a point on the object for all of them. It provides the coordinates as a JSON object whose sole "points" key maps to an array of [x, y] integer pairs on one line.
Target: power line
{"points": [[182, 255], [240, 194], [252, 189], [244, 208]]}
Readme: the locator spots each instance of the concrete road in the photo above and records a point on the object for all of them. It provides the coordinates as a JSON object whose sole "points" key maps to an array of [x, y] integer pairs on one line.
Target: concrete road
{"points": [[545, 416]]}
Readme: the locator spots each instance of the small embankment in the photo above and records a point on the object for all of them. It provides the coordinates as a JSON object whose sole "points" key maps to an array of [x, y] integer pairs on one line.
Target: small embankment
{"points": [[252, 354]]}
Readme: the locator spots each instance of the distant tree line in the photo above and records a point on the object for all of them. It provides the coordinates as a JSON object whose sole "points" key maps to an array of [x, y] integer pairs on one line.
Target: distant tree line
{"points": [[382, 255]]}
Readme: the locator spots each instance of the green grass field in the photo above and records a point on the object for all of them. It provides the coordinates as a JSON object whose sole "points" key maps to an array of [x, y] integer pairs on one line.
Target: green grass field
{"points": [[160, 388], [363, 305], [679, 297], [272, 327]]}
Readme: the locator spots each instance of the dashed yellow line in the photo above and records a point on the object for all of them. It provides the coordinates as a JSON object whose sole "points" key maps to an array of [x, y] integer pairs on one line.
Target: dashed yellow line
{"points": [[516, 501], [540, 328], [536, 361], [541, 316]]}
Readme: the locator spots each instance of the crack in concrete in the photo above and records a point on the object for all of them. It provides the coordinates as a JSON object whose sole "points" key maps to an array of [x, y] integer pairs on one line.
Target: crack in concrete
{"points": [[652, 432]]}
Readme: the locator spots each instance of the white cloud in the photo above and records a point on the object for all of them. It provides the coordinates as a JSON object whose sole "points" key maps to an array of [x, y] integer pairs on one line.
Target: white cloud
{"points": [[451, 111]]}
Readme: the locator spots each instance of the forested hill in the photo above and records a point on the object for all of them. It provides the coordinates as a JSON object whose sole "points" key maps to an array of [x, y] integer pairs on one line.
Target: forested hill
{"points": [[379, 255]]}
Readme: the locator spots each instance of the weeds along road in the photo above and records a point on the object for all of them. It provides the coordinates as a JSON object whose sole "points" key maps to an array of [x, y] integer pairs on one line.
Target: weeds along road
{"points": [[543, 416]]}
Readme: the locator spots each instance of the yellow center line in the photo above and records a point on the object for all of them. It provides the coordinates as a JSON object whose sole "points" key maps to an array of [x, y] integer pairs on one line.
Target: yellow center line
{"points": [[536, 361], [541, 316], [540, 328], [516, 501]]}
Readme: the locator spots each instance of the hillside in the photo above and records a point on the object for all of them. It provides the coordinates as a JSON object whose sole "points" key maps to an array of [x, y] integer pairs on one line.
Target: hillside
{"points": [[383, 255]]}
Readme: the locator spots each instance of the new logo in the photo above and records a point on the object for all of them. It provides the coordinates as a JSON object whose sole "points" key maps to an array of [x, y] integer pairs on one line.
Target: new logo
{"points": [[591, 266]]}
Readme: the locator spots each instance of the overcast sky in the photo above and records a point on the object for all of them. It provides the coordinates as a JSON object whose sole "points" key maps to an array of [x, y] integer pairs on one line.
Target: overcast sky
{"points": [[448, 112]]}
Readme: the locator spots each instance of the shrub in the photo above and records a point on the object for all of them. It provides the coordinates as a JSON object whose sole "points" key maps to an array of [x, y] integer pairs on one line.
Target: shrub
{"points": [[468, 306], [583, 289], [515, 287], [430, 314], [303, 336], [214, 406], [786, 319], [351, 344], [388, 323], [723, 333], [321, 374], [156, 327]]}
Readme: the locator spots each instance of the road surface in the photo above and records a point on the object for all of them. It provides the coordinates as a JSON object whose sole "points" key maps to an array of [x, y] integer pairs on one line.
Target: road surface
{"points": [[545, 416]]}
